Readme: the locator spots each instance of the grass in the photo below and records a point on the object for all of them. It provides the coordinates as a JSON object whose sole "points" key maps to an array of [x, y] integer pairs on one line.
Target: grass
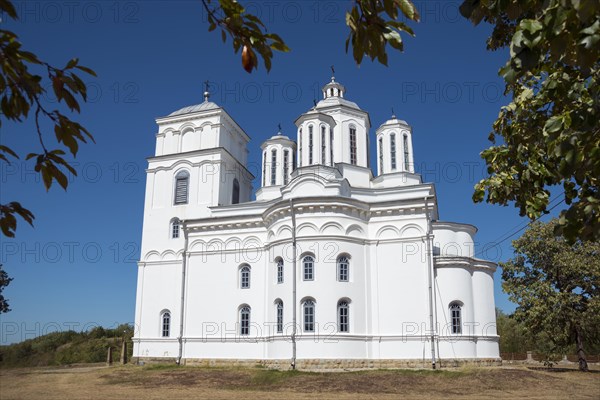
{"points": [[195, 382]]}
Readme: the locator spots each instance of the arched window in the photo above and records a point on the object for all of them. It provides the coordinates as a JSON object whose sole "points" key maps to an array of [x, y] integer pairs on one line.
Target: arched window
{"points": [[393, 151], [286, 167], [323, 146], [165, 324], [380, 155], [310, 145], [245, 277], [352, 145], [406, 160], [331, 147], [343, 269], [273, 166], [245, 320], [174, 228], [279, 310], [308, 264], [182, 181], [300, 148], [264, 176], [309, 315], [235, 192], [456, 318], [280, 271], [343, 312]]}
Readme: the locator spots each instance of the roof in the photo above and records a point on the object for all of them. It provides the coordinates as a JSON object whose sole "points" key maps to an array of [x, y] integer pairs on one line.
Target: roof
{"points": [[206, 105], [336, 101]]}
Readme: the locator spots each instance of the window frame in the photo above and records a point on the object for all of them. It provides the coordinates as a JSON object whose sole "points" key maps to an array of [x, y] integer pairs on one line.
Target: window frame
{"points": [[339, 262], [279, 270], [273, 167], [393, 161], [323, 145], [300, 147], [279, 315], [286, 169], [455, 309], [308, 326], [244, 318], [165, 324], [245, 272], [312, 268], [353, 145], [175, 228], [406, 152], [310, 145], [380, 142], [343, 306]]}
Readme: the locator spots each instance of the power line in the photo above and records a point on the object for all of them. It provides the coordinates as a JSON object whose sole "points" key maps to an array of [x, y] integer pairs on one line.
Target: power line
{"points": [[505, 236]]}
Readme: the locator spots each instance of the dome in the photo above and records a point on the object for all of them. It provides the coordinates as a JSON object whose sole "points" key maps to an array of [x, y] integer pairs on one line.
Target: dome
{"points": [[336, 101], [205, 106], [393, 121]]}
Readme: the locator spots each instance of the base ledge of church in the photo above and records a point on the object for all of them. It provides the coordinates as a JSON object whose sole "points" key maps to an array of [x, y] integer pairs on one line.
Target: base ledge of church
{"points": [[323, 364]]}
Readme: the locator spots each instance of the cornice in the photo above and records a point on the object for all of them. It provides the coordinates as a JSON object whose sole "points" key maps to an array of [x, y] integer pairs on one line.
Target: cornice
{"points": [[464, 262]]}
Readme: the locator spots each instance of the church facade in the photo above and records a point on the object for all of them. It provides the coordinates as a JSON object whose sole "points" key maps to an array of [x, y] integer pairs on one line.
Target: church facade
{"points": [[329, 264]]}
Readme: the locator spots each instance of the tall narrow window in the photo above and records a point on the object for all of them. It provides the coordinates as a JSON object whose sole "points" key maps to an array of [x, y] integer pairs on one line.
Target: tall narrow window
{"points": [[165, 322], [182, 181], [245, 277], [308, 264], [286, 167], [264, 168], [235, 192], [343, 316], [310, 145], [380, 155], [309, 316], [323, 146], [393, 151], [245, 320], [331, 147], [406, 160], [300, 148], [280, 271], [273, 166], [279, 310], [175, 228], [455, 317], [343, 269], [352, 145]]}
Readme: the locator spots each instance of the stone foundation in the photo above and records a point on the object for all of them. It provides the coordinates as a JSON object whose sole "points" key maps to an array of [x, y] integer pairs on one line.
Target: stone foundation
{"points": [[323, 364]]}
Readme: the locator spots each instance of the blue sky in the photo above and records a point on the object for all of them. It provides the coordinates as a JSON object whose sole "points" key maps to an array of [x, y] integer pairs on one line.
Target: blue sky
{"points": [[77, 267]]}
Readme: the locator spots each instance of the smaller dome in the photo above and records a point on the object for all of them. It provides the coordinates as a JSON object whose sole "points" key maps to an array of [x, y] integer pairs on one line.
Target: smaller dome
{"points": [[333, 89], [394, 121]]}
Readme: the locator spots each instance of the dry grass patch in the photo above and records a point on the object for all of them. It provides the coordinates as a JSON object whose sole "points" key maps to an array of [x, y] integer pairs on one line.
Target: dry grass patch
{"points": [[160, 381]]}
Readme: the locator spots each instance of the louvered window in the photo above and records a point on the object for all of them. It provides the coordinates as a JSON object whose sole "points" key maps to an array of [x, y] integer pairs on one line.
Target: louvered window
{"points": [[182, 182]]}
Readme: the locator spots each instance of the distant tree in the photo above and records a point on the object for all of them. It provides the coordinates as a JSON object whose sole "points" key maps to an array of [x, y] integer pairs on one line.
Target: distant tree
{"points": [[513, 338], [4, 282], [556, 286], [550, 133]]}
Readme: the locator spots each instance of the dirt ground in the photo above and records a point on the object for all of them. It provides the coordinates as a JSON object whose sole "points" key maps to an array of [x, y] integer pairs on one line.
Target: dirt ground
{"points": [[160, 382]]}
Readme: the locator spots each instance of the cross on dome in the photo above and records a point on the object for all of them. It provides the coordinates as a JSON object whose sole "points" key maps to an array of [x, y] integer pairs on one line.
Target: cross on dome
{"points": [[206, 92]]}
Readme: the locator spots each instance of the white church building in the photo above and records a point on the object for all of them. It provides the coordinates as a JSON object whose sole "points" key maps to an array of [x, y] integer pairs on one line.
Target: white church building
{"points": [[329, 266]]}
